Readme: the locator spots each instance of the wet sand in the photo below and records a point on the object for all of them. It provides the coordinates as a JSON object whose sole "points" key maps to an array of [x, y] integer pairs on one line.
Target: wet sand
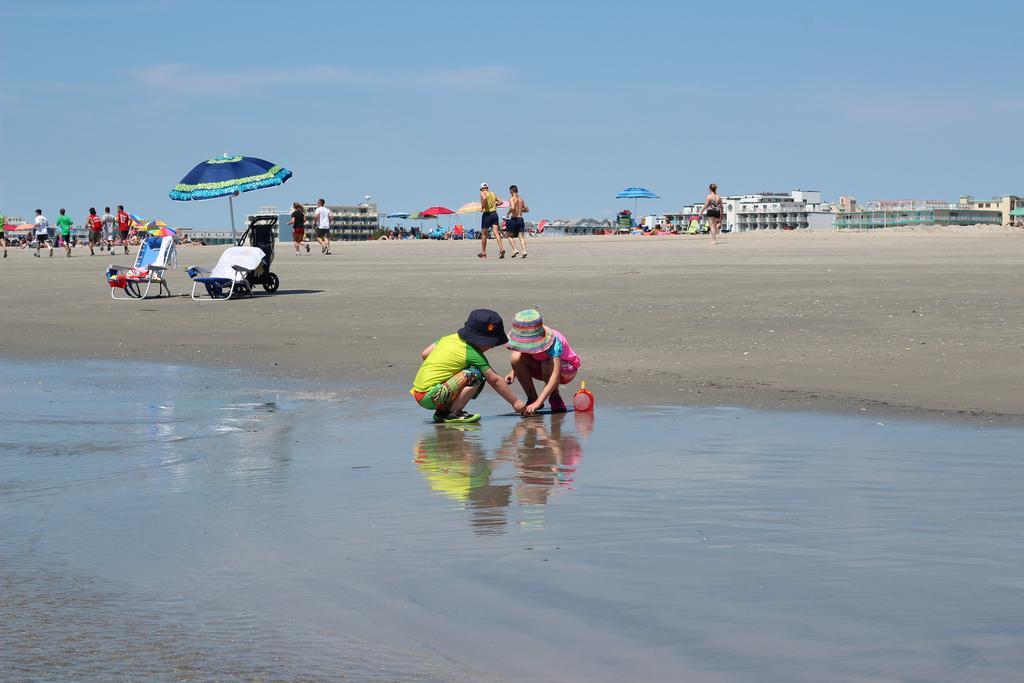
{"points": [[913, 322]]}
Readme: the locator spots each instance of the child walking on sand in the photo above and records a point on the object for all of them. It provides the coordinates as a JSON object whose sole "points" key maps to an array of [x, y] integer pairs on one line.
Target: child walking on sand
{"points": [[454, 370], [542, 353]]}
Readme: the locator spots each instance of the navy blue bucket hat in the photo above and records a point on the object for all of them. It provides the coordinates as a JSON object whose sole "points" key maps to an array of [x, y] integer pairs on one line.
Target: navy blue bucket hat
{"points": [[484, 327]]}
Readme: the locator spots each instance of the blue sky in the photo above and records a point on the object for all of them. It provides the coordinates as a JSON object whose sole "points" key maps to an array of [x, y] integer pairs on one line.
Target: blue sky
{"points": [[416, 103]]}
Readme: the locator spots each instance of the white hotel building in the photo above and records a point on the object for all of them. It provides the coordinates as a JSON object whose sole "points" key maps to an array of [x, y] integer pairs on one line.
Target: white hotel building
{"points": [[796, 210]]}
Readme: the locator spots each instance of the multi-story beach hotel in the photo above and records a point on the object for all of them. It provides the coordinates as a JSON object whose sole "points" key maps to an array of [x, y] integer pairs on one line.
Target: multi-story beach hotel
{"points": [[911, 212]]}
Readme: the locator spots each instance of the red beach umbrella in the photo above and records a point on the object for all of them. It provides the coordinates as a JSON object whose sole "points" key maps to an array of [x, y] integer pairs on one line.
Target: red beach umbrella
{"points": [[436, 211]]}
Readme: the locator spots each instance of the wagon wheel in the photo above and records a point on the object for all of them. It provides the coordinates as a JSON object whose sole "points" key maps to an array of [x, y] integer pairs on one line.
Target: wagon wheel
{"points": [[271, 282]]}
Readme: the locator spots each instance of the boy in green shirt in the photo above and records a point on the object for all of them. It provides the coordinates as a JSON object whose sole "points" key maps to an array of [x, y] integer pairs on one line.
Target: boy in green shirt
{"points": [[454, 370], [64, 228]]}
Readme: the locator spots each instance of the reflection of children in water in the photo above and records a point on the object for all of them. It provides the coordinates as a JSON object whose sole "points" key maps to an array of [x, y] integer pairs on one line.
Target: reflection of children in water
{"points": [[454, 462], [545, 459]]}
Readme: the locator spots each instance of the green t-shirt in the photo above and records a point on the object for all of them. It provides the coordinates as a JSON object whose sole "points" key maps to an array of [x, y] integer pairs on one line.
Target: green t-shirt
{"points": [[64, 224], [450, 355]]}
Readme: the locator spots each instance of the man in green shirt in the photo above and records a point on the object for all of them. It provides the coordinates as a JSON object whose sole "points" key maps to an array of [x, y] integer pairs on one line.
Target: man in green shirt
{"points": [[64, 229], [454, 370]]}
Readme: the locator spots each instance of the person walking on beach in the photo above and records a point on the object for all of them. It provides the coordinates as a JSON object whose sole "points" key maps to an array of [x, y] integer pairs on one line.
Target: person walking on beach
{"points": [[43, 232], [3, 233], [64, 229], [322, 221], [95, 226], [489, 220], [298, 222], [108, 229], [124, 224], [516, 224], [713, 211]]}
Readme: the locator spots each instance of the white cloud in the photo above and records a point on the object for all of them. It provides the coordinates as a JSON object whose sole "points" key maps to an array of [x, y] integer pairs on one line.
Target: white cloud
{"points": [[191, 80], [482, 77]]}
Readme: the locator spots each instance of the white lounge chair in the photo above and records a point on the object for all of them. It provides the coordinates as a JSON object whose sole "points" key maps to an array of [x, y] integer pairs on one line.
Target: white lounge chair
{"points": [[231, 274], [156, 255]]}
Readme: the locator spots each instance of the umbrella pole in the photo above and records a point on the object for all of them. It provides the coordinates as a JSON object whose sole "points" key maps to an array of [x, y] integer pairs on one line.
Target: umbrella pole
{"points": [[231, 207]]}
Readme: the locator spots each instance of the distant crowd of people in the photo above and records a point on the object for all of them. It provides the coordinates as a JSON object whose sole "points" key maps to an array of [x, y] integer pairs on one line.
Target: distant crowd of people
{"points": [[105, 231], [118, 230]]}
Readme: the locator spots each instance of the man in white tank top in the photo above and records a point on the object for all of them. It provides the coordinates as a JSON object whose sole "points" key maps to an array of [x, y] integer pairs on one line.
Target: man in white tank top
{"points": [[322, 224]]}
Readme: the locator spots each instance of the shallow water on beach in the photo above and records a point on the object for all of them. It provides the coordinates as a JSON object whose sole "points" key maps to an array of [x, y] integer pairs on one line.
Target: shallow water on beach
{"points": [[176, 523]]}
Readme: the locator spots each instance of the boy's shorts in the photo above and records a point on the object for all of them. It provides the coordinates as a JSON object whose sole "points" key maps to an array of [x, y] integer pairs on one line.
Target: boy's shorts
{"points": [[566, 373], [441, 395]]}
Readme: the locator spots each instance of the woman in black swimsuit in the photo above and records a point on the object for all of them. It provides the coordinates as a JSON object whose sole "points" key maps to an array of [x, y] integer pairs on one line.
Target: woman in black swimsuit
{"points": [[713, 211]]}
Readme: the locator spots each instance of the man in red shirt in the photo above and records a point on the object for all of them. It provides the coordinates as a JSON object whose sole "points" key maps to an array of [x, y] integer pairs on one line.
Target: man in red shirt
{"points": [[123, 225], [95, 225]]}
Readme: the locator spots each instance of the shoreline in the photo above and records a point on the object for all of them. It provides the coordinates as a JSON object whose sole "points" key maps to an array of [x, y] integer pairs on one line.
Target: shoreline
{"points": [[711, 393], [909, 324]]}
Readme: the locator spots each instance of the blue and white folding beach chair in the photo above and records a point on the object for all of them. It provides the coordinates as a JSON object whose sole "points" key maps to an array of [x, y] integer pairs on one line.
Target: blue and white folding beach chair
{"points": [[156, 255], [231, 276]]}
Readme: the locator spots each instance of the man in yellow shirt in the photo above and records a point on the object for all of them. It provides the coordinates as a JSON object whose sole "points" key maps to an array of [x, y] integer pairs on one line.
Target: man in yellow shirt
{"points": [[489, 220]]}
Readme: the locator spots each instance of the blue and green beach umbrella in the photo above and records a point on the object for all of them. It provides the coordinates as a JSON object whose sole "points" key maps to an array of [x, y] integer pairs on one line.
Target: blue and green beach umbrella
{"points": [[636, 193], [228, 176]]}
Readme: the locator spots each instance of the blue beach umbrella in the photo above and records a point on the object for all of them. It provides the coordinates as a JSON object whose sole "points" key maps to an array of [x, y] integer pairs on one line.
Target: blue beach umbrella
{"points": [[228, 176], [636, 193], [400, 214]]}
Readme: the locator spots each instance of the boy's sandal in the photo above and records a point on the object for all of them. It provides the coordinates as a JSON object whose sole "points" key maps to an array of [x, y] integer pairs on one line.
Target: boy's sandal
{"points": [[481, 255], [462, 417], [501, 254]]}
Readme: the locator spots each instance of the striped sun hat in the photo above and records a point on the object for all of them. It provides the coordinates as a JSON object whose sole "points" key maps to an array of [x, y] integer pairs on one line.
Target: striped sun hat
{"points": [[528, 333]]}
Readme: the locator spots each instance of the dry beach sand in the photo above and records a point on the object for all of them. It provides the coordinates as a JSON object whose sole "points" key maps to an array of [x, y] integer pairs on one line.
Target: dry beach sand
{"points": [[918, 322]]}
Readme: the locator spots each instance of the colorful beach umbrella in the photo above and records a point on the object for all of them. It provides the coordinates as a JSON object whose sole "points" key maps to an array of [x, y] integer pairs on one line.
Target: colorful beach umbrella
{"points": [[228, 176], [636, 193], [157, 228], [474, 207], [435, 211], [400, 214]]}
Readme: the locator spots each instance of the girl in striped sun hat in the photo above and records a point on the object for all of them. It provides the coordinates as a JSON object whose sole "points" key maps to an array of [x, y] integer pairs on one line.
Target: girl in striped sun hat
{"points": [[540, 353]]}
